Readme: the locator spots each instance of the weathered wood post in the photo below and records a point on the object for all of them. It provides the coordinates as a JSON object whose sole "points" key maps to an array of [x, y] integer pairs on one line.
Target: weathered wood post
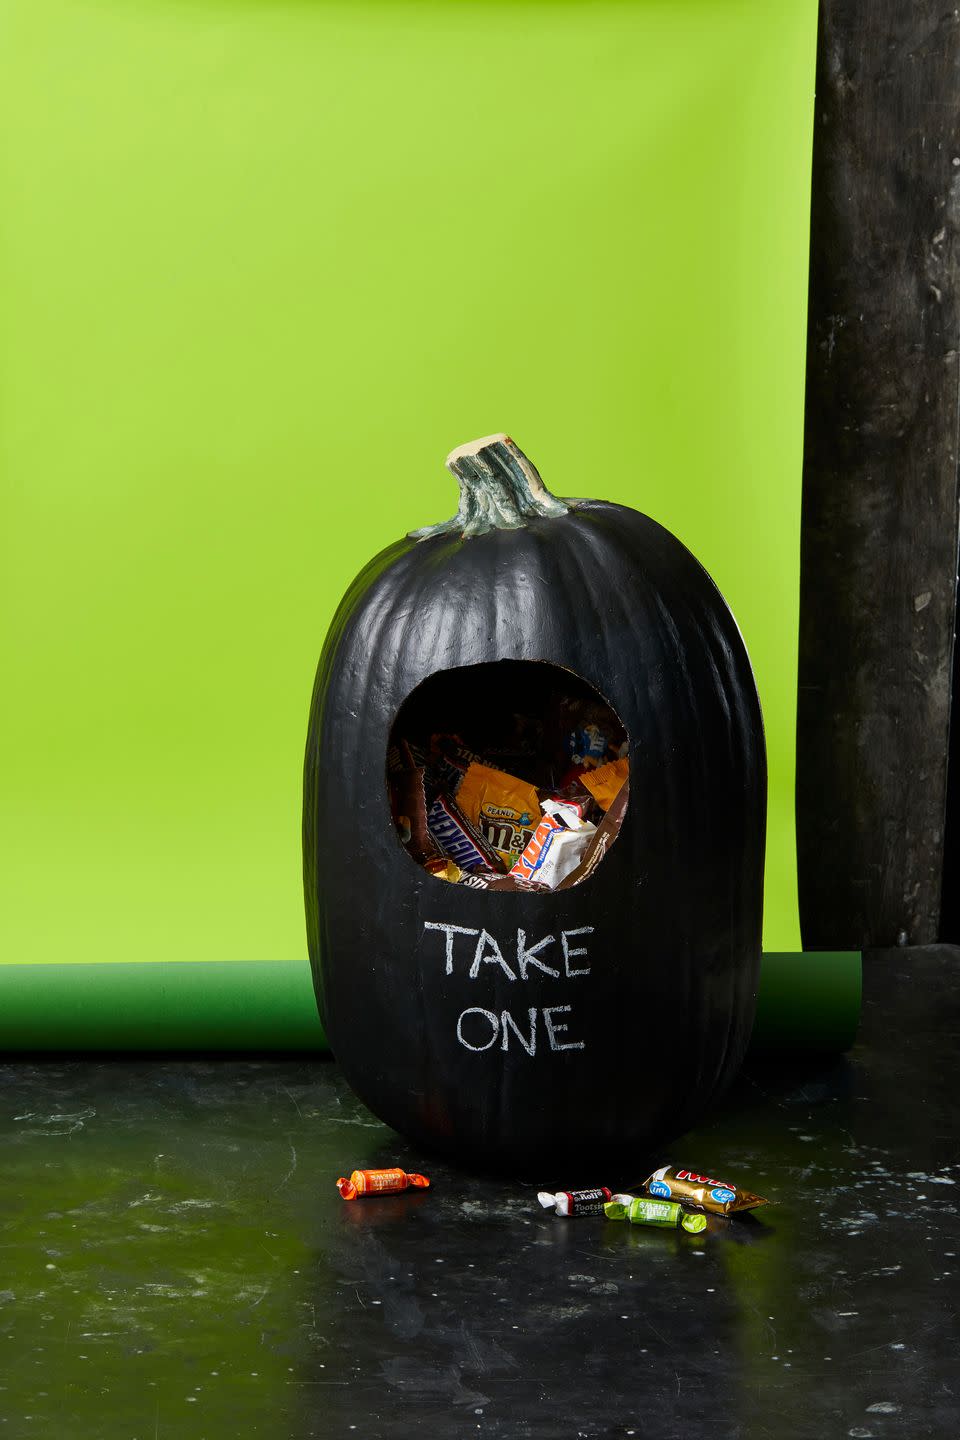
{"points": [[879, 546]]}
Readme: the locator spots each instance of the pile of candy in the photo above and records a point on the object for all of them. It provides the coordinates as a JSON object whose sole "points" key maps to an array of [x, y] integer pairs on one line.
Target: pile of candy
{"points": [[525, 804], [668, 1192]]}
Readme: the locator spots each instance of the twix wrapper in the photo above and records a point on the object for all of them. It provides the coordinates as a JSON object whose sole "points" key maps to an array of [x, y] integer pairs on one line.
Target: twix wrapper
{"points": [[691, 1188], [379, 1182], [504, 809]]}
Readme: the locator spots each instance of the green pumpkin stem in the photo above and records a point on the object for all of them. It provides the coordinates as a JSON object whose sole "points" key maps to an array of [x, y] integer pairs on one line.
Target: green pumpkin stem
{"points": [[499, 490]]}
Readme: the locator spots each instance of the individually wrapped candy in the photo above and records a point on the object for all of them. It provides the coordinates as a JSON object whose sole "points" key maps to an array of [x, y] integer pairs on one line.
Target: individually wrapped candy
{"points": [[554, 852], [504, 809], [717, 1196], [402, 755], [666, 1213], [460, 841], [606, 781], [448, 760], [445, 869], [600, 842], [379, 1182], [494, 880], [591, 733], [408, 804], [574, 809], [576, 1202]]}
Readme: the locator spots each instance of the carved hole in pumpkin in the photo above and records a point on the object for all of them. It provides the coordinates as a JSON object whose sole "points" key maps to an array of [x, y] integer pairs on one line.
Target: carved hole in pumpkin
{"points": [[507, 776]]}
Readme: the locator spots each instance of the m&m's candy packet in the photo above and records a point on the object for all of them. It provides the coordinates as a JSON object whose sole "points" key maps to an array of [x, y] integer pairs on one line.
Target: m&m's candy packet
{"points": [[504, 809]]}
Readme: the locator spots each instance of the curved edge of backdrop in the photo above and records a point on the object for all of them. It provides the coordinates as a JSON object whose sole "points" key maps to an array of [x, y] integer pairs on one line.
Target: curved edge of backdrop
{"points": [[807, 1000]]}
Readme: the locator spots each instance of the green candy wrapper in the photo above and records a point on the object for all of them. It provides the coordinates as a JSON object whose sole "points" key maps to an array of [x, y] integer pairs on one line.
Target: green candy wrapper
{"points": [[641, 1211]]}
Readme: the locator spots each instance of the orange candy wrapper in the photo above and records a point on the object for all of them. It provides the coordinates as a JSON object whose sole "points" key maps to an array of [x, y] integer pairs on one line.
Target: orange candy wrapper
{"points": [[379, 1182], [504, 809], [606, 782]]}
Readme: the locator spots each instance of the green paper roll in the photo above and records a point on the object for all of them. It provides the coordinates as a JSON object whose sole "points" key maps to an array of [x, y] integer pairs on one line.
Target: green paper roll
{"points": [[162, 1005], [807, 1001]]}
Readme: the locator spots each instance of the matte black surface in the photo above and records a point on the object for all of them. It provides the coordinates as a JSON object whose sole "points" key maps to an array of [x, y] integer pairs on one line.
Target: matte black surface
{"points": [[176, 1261], [879, 525], [674, 910]]}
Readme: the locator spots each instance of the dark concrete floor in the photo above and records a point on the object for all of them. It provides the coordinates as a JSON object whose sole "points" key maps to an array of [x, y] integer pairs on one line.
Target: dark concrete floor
{"points": [[175, 1260]]}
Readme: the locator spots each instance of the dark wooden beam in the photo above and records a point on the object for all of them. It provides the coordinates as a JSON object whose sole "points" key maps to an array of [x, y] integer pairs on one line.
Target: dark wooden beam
{"points": [[879, 546]]}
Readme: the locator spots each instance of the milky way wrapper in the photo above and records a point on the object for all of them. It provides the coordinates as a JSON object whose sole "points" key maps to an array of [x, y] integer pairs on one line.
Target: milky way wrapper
{"points": [[690, 1188], [504, 809], [600, 843]]}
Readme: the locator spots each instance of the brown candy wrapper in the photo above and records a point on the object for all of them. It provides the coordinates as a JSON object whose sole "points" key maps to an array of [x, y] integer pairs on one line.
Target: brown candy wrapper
{"points": [[690, 1188], [607, 832], [404, 755], [448, 760], [408, 803], [493, 880], [576, 796]]}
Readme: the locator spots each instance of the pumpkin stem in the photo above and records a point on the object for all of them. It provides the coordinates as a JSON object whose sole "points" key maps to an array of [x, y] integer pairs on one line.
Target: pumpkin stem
{"points": [[499, 490]]}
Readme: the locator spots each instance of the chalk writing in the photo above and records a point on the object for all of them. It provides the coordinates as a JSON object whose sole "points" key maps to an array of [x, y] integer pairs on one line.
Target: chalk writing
{"points": [[484, 1033], [479, 1029]]}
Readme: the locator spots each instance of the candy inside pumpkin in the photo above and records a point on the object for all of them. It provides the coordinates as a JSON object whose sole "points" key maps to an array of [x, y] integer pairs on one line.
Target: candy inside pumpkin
{"points": [[509, 775]]}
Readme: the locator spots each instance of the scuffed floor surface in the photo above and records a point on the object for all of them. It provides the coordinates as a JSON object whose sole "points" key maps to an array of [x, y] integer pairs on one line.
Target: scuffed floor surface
{"points": [[175, 1260]]}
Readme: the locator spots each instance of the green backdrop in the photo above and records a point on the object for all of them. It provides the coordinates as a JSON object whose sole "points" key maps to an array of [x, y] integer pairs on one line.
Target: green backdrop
{"points": [[261, 265]]}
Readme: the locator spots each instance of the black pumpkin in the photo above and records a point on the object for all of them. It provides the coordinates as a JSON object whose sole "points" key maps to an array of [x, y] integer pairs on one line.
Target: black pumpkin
{"points": [[635, 1014]]}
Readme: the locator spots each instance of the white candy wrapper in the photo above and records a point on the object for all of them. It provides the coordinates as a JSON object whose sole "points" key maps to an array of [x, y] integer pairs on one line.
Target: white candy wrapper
{"points": [[553, 852], [576, 1202], [567, 812]]}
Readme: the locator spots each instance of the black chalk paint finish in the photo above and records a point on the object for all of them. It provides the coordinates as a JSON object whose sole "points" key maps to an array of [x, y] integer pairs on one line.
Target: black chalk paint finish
{"points": [[495, 1026]]}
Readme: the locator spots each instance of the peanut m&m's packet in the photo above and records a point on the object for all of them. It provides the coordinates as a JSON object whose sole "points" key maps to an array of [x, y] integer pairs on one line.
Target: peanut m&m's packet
{"points": [[690, 1188]]}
